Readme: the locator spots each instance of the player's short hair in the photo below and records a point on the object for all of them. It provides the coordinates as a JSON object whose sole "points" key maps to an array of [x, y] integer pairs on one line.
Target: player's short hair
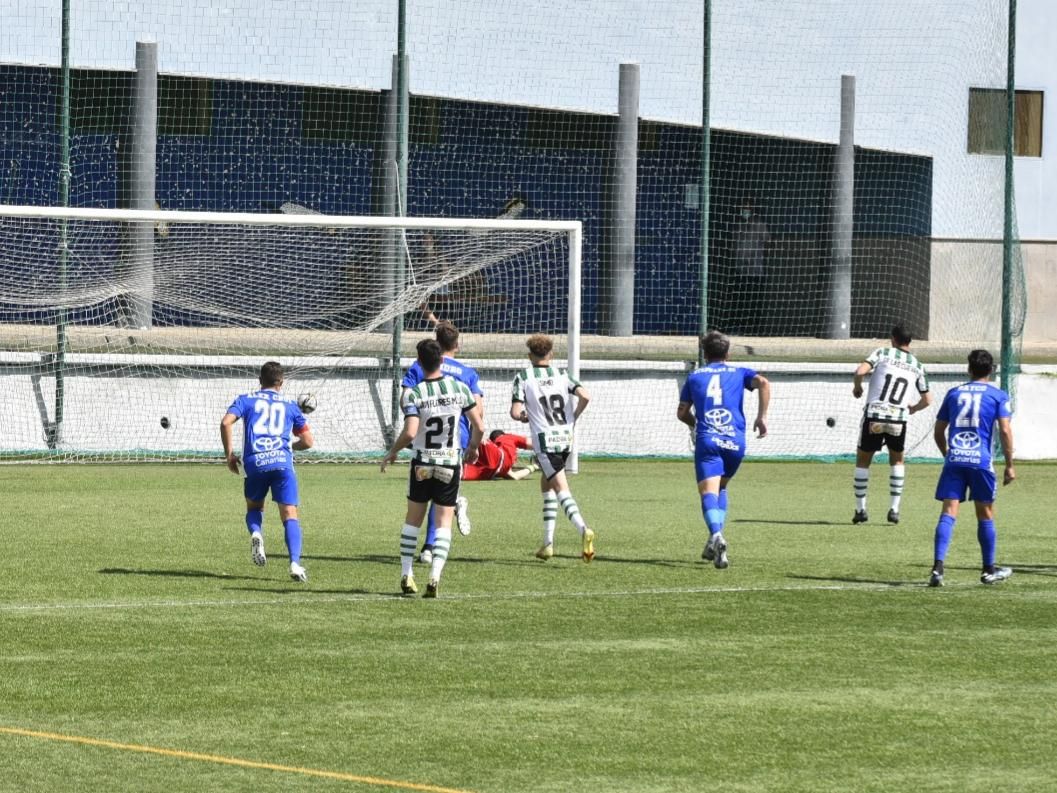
{"points": [[429, 355], [495, 435], [715, 346], [901, 335], [271, 374], [447, 336], [540, 345], [981, 364]]}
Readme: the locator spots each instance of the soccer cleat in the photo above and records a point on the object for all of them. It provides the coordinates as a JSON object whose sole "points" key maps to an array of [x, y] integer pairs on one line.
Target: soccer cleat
{"points": [[709, 553], [936, 578], [431, 588], [407, 585], [462, 515], [589, 545], [1000, 574], [893, 516], [860, 516], [426, 557], [298, 573], [719, 548], [545, 552], [257, 549]]}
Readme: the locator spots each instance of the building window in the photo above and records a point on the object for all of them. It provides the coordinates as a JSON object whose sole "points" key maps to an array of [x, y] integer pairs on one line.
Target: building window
{"points": [[987, 122]]}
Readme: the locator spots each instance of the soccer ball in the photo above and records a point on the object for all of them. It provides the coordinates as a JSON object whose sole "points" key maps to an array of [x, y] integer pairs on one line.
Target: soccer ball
{"points": [[307, 402]]}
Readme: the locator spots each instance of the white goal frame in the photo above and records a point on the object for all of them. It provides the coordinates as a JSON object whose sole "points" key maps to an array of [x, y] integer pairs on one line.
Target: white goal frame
{"points": [[573, 230]]}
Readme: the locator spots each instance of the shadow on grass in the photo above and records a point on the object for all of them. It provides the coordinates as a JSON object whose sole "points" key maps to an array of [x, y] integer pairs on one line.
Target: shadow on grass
{"points": [[841, 579], [300, 589], [389, 561], [177, 574], [787, 522]]}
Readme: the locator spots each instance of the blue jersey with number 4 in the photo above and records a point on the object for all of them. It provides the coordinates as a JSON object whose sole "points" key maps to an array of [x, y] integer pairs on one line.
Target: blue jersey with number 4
{"points": [[971, 411], [268, 420], [716, 391]]}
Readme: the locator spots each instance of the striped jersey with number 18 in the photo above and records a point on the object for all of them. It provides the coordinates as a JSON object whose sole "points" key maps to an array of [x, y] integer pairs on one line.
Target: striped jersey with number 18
{"points": [[439, 404], [890, 394], [547, 392]]}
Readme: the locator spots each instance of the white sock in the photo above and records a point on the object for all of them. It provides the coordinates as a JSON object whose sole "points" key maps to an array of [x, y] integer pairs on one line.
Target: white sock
{"points": [[572, 511], [441, 544], [862, 482], [408, 544], [550, 516], [895, 485]]}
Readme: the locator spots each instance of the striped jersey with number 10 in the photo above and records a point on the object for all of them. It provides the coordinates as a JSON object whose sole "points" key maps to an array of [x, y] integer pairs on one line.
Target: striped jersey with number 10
{"points": [[890, 394], [439, 404], [547, 392]]}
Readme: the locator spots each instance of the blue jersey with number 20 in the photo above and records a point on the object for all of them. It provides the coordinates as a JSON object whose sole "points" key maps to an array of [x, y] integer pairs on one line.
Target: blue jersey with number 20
{"points": [[971, 411], [716, 392], [268, 420]]}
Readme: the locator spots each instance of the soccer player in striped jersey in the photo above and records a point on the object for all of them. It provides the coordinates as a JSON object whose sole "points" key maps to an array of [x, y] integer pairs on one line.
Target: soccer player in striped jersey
{"points": [[447, 336], [710, 403], [543, 398], [890, 401], [963, 432], [269, 420], [432, 410]]}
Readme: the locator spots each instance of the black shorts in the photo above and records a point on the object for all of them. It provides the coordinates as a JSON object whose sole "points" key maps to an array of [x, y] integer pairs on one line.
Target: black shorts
{"points": [[551, 463], [871, 441], [424, 486]]}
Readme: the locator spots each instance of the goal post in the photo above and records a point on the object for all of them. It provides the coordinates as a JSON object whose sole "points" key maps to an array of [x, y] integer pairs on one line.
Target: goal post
{"points": [[232, 290]]}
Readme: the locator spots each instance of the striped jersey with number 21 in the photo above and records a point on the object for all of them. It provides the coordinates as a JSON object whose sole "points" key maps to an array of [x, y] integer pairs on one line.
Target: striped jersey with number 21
{"points": [[439, 404]]}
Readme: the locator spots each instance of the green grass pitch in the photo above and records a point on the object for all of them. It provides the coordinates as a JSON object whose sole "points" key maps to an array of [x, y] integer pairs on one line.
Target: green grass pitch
{"points": [[130, 613]]}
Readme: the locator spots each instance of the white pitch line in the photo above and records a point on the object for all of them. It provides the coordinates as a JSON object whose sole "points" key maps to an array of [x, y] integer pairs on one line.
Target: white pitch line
{"points": [[306, 598]]}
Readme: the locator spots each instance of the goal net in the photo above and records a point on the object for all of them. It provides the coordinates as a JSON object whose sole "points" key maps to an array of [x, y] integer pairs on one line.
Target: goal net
{"points": [[121, 345]]}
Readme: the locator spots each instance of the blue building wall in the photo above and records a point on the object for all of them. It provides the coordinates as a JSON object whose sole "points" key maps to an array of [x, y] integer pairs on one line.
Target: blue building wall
{"points": [[254, 151]]}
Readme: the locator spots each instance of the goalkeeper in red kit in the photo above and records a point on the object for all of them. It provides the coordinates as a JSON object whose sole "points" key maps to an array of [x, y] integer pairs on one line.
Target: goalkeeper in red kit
{"points": [[496, 458]]}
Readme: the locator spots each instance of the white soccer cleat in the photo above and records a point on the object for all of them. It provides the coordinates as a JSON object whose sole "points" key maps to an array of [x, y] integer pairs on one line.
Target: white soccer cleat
{"points": [[257, 549], [719, 550], [462, 515], [426, 557], [1000, 574], [298, 573]]}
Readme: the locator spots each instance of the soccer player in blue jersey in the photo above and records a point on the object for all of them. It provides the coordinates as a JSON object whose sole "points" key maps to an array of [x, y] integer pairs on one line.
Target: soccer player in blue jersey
{"points": [[964, 429], [269, 419], [710, 403], [447, 336]]}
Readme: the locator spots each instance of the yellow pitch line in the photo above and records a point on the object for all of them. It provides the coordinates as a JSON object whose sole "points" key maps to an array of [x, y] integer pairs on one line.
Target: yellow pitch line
{"points": [[235, 761]]}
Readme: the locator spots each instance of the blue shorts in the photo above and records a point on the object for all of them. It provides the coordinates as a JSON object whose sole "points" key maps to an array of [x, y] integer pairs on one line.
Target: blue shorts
{"points": [[281, 481], [955, 480], [718, 455]]}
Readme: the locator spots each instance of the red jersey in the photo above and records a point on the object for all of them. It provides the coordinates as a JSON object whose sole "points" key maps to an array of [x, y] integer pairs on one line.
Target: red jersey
{"points": [[495, 458]]}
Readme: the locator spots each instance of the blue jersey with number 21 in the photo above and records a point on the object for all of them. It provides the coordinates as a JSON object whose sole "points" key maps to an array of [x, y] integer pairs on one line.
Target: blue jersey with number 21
{"points": [[716, 392], [268, 420], [971, 411]]}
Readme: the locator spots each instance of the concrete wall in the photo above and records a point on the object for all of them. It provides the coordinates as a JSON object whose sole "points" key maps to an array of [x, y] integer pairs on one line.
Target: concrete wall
{"points": [[966, 297], [632, 411]]}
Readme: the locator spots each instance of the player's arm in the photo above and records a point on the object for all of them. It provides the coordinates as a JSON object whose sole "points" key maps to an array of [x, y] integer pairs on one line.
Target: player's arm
{"points": [[304, 439], [939, 434], [1005, 437], [582, 398], [763, 386], [924, 402], [474, 414], [403, 440], [230, 457], [864, 369], [518, 412], [685, 414]]}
